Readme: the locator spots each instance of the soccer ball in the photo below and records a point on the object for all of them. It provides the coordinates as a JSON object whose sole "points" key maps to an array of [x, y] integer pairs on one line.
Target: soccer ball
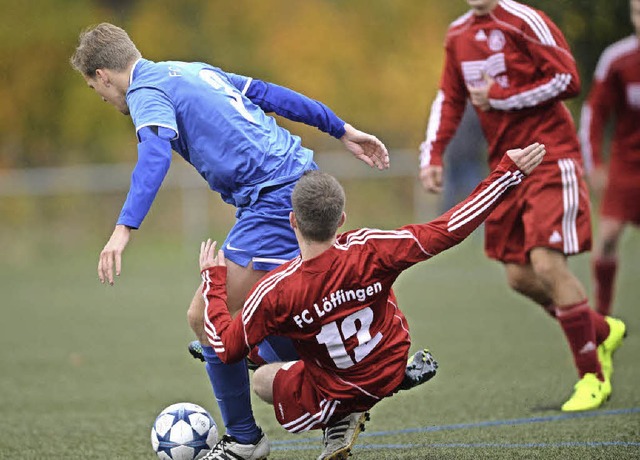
{"points": [[183, 431]]}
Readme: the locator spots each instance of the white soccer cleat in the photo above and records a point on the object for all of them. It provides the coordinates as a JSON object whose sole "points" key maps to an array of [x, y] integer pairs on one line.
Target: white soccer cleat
{"points": [[340, 437], [228, 448]]}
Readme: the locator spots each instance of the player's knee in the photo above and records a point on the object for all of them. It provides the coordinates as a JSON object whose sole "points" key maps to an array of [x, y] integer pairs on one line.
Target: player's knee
{"points": [[518, 281], [263, 384]]}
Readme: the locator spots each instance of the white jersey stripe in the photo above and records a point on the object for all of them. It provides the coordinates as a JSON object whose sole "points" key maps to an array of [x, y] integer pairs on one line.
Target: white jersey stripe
{"points": [[557, 85], [614, 52], [381, 235], [435, 118], [532, 18], [210, 330], [485, 199], [512, 181], [586, 118], [253, 302], [479, 199]]}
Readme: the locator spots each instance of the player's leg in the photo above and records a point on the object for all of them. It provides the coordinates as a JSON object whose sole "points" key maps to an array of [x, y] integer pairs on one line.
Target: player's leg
{"points": [[299, 407], [230, 382], [522, 279], [605, 262]]}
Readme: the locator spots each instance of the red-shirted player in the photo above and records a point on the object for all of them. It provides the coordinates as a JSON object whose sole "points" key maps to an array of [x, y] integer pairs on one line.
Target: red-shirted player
{"points": [[615, 91], [515, 66], [335, 301]]}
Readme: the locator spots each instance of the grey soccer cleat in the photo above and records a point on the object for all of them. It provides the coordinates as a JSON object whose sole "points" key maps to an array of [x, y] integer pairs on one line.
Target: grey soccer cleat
{"points": [[420, 368]]}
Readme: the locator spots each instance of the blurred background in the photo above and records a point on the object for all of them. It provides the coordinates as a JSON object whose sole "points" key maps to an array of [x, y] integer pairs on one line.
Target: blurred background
{"points": [[375, 62]]}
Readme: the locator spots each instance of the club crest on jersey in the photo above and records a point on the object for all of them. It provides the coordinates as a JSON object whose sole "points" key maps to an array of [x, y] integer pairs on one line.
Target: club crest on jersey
{"points": [[496, 40]]}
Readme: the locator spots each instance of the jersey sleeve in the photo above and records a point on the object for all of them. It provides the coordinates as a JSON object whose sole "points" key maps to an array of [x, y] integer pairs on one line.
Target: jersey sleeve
{"points": [[418, 242], [152, 107], [595, 113], [233, 338], [294, 106], [554, 74], [446, 111], [154, 160]]}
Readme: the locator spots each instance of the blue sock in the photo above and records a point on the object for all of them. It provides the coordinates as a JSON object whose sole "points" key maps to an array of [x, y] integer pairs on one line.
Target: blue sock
{"points": [[230, 384], [276, 349]]}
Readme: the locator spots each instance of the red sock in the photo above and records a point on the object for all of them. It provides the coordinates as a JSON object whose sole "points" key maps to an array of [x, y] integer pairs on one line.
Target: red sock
{"points": [[600, 326], [604, 271], [577, 324]]}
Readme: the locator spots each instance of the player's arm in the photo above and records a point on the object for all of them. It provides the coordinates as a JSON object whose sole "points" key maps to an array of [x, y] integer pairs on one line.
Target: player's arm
{"points": [[294, 106], [418, 242], [595, 114], [446, 111], [554, 74], [225, 334], [154, 159]]}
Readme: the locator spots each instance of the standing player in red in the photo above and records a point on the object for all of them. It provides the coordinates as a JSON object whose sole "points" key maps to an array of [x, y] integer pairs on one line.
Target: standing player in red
{"points": [[515, 66], [615, 91], [335, 301]]}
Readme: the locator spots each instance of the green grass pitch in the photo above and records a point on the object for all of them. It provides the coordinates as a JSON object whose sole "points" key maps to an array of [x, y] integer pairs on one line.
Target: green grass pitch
{"points": [[85, 368]]}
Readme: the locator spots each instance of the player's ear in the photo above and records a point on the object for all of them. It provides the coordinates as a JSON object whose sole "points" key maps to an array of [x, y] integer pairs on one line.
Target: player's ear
{"points": [[343, 219], [292, 220], [103, 76]]}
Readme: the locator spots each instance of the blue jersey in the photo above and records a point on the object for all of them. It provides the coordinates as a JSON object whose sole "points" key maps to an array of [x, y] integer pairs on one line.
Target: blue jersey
{"points": [[217, 123]]}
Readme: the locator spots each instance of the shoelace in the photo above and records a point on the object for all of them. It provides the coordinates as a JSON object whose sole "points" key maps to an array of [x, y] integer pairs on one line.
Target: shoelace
{"points": [[219, 448]]}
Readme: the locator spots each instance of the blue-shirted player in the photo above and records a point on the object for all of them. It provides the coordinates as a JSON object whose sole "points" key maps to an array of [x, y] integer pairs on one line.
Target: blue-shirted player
{"points": [[216, 121]]}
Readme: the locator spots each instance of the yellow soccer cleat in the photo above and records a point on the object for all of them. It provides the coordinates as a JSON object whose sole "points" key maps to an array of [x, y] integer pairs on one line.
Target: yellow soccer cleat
{"points": [[617, 332], [589, 393]]}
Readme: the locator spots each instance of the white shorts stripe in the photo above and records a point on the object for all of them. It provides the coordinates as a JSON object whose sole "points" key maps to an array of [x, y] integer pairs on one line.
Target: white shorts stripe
{"points": [[570, 200]]}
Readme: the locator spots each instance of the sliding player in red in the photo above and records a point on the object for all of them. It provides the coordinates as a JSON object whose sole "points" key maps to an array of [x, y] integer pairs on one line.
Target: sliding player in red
{"points": [[515, 66], [615, 92], [335, 301]]}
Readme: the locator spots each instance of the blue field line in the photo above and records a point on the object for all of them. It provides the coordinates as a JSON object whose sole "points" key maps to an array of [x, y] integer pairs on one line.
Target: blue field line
{"points": [[474, 445], [488, 423]]}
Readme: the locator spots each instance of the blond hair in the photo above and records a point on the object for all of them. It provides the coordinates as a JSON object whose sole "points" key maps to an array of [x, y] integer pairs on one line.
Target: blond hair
{"points": [[104, 46]]}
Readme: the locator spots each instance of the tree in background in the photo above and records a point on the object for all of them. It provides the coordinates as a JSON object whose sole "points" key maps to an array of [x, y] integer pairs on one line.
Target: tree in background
{"points": [[387, 54]]}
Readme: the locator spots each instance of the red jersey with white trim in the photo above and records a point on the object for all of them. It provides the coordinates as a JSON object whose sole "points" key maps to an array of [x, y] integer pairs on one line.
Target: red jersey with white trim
{"points": [[533, 71], [339, 307], [615, 91]]}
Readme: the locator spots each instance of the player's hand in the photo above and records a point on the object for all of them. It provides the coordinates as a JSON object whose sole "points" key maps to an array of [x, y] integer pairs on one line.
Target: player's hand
{"points": [[365, 147], [208, 256], [598, 178], [111, 256], [479, 94], [431, 178], [528, 158]]}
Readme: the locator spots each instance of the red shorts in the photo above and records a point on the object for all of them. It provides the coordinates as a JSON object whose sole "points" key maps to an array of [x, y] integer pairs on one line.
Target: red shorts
{"points": [[299, 406], [621, 203], [550, 209]]}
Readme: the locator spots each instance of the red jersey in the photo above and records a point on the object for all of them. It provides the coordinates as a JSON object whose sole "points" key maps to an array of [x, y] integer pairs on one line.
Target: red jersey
{"points": [[339, 308], [615, 91], [529, 59]]}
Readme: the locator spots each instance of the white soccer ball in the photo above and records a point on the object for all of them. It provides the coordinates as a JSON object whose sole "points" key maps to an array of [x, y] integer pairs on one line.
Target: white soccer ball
{"points": [[183, 431]]}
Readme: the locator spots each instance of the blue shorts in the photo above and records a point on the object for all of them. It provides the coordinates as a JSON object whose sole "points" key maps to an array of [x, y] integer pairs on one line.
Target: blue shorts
{"points": [[262, 233]]}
